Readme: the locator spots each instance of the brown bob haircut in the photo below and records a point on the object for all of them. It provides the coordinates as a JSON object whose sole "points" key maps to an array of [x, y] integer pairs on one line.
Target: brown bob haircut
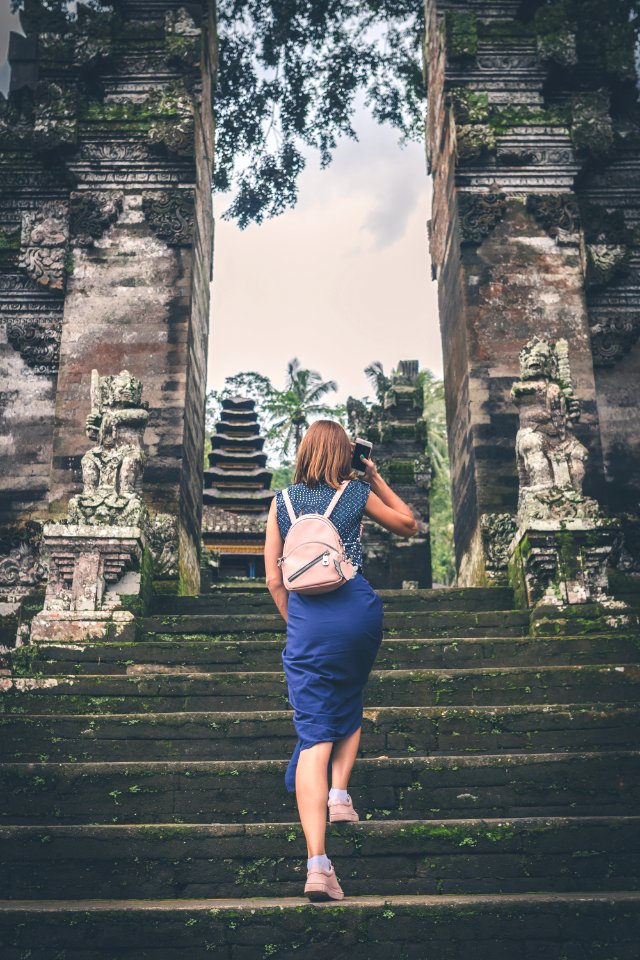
{"points": [[324, 454]]}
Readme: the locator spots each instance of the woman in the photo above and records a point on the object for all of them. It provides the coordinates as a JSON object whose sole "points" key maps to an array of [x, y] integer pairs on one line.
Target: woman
{"points": [[332, 638]]}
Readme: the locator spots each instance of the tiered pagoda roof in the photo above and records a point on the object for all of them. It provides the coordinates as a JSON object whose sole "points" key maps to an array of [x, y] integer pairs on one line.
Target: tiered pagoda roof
{"points": [[236, 493], [237, 478]]}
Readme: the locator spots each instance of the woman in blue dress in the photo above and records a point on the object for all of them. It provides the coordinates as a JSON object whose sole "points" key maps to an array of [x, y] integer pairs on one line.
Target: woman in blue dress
{"points": [[332, 638]]}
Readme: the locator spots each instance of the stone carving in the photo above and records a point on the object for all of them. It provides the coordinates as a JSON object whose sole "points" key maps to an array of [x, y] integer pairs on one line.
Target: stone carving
{"points": [[557, 213], [550, 459], [591, 124], [112, 470], [398, 430], [497, 530], [170, 215], [43, 245], [95, 555], [90, 214], [563, 543], [37, 339], [611, 338], [55, 116], [173, 127], [163, 544], [558, 566], [21, 565], [182, 37], [627, 553], [606, 262], [114, 151], [479, 213]]}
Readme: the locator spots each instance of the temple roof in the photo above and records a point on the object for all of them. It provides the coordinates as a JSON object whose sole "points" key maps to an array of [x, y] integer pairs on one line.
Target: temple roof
{"points": [[218, 520], [254, 441]]}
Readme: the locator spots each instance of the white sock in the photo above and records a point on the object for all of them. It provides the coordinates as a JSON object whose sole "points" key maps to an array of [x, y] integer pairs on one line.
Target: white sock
{"points": [[335, 794], [319, 862]]}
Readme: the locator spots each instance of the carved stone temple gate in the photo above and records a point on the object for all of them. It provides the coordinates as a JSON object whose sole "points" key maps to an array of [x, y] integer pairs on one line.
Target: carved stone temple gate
{"points": [[534, 146], [106, 151]]}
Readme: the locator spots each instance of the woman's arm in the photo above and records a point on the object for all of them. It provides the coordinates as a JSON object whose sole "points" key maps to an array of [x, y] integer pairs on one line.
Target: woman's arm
{"points": [[273, 574], [386, 507]]}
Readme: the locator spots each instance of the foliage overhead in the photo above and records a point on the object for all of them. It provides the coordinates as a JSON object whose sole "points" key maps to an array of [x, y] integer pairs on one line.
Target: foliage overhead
{"points": [[290, 75]]}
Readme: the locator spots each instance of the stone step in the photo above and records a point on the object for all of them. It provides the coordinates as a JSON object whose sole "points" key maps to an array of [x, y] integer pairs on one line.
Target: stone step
{"points": [[449, 623], [213, 655], [159, 693], [264, 735], [518, 926], [244, 791], [223, 599], [223, 860]]}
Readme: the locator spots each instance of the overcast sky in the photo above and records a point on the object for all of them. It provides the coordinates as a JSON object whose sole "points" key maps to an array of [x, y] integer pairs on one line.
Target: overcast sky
{"points": [[340, 281]]}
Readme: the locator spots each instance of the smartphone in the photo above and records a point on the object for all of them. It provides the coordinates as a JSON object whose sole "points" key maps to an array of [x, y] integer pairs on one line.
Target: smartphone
{"points": [[362, 446]]}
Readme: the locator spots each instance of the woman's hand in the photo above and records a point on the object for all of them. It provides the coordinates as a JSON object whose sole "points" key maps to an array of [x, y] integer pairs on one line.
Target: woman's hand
{"points": [[370, 469]]}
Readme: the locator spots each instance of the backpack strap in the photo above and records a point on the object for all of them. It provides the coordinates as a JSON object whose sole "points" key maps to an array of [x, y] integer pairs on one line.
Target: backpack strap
{"points": [[289, 505], [336, 497]]}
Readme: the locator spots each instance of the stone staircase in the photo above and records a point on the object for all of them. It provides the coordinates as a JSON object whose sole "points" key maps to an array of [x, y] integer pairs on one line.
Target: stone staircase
{"points": [[143, 810]]}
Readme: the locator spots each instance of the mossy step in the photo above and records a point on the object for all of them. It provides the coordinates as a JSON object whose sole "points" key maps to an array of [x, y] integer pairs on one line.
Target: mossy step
{"points": [[401, 624], [153, 693], [210, 655], [222, 599], [521, 926], [412, 857], [265, 735], [544, 784]]}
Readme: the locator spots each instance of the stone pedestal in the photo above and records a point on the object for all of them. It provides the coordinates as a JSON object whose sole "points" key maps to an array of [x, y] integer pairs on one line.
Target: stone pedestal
{"points": [[558, 564], [92, 570]]}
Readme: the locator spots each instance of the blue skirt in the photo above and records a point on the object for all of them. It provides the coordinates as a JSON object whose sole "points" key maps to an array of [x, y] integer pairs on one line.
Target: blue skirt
{"points": [[332, 643]]}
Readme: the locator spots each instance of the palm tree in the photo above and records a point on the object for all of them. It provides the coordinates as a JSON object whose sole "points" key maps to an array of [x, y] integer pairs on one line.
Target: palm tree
{"points": [[294, 405], [435, 415]]}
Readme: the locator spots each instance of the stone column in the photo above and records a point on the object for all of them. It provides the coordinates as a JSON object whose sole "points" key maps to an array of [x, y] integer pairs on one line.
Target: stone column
{"points": [[398, 430], [113, 220], [514, 117]]}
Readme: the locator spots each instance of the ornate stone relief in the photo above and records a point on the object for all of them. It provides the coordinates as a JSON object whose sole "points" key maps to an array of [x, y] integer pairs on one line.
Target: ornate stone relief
{"points": [[90, 214], [55, 115], [112, 470], [611, 339], [557, 213], [497, 530], [173, 126], [605, 262], [478, 214], [163, 544], [43, 245], [182, 37], [550, 459], [37, 339], [563, 543], [170, 214], [95, 554], [21, 566]]}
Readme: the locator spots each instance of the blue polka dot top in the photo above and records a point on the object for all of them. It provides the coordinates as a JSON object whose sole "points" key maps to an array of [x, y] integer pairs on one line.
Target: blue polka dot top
{"points": [[346, 515]]}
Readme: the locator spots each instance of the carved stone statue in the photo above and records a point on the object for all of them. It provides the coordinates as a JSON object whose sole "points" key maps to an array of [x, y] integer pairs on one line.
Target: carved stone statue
{"points": [[550, 458], [112, 470]]}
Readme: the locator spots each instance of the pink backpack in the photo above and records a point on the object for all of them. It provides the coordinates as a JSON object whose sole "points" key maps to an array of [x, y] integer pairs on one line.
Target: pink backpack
{"points": [[313, 558]]}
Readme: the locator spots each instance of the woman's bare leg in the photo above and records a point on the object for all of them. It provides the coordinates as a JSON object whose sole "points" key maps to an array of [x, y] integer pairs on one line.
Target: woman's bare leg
{"points": [[312, 793], [344, 756]]}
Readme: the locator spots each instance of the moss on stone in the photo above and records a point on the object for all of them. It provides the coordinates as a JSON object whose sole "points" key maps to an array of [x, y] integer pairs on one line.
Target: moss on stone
{"points": [[462, 33]]}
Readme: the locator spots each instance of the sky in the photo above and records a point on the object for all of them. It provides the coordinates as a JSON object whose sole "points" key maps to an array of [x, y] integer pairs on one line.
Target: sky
{"points": [[340, 281]]}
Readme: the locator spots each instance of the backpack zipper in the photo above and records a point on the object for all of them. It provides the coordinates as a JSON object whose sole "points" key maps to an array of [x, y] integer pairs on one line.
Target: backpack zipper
{"points": [[325, 553]]}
